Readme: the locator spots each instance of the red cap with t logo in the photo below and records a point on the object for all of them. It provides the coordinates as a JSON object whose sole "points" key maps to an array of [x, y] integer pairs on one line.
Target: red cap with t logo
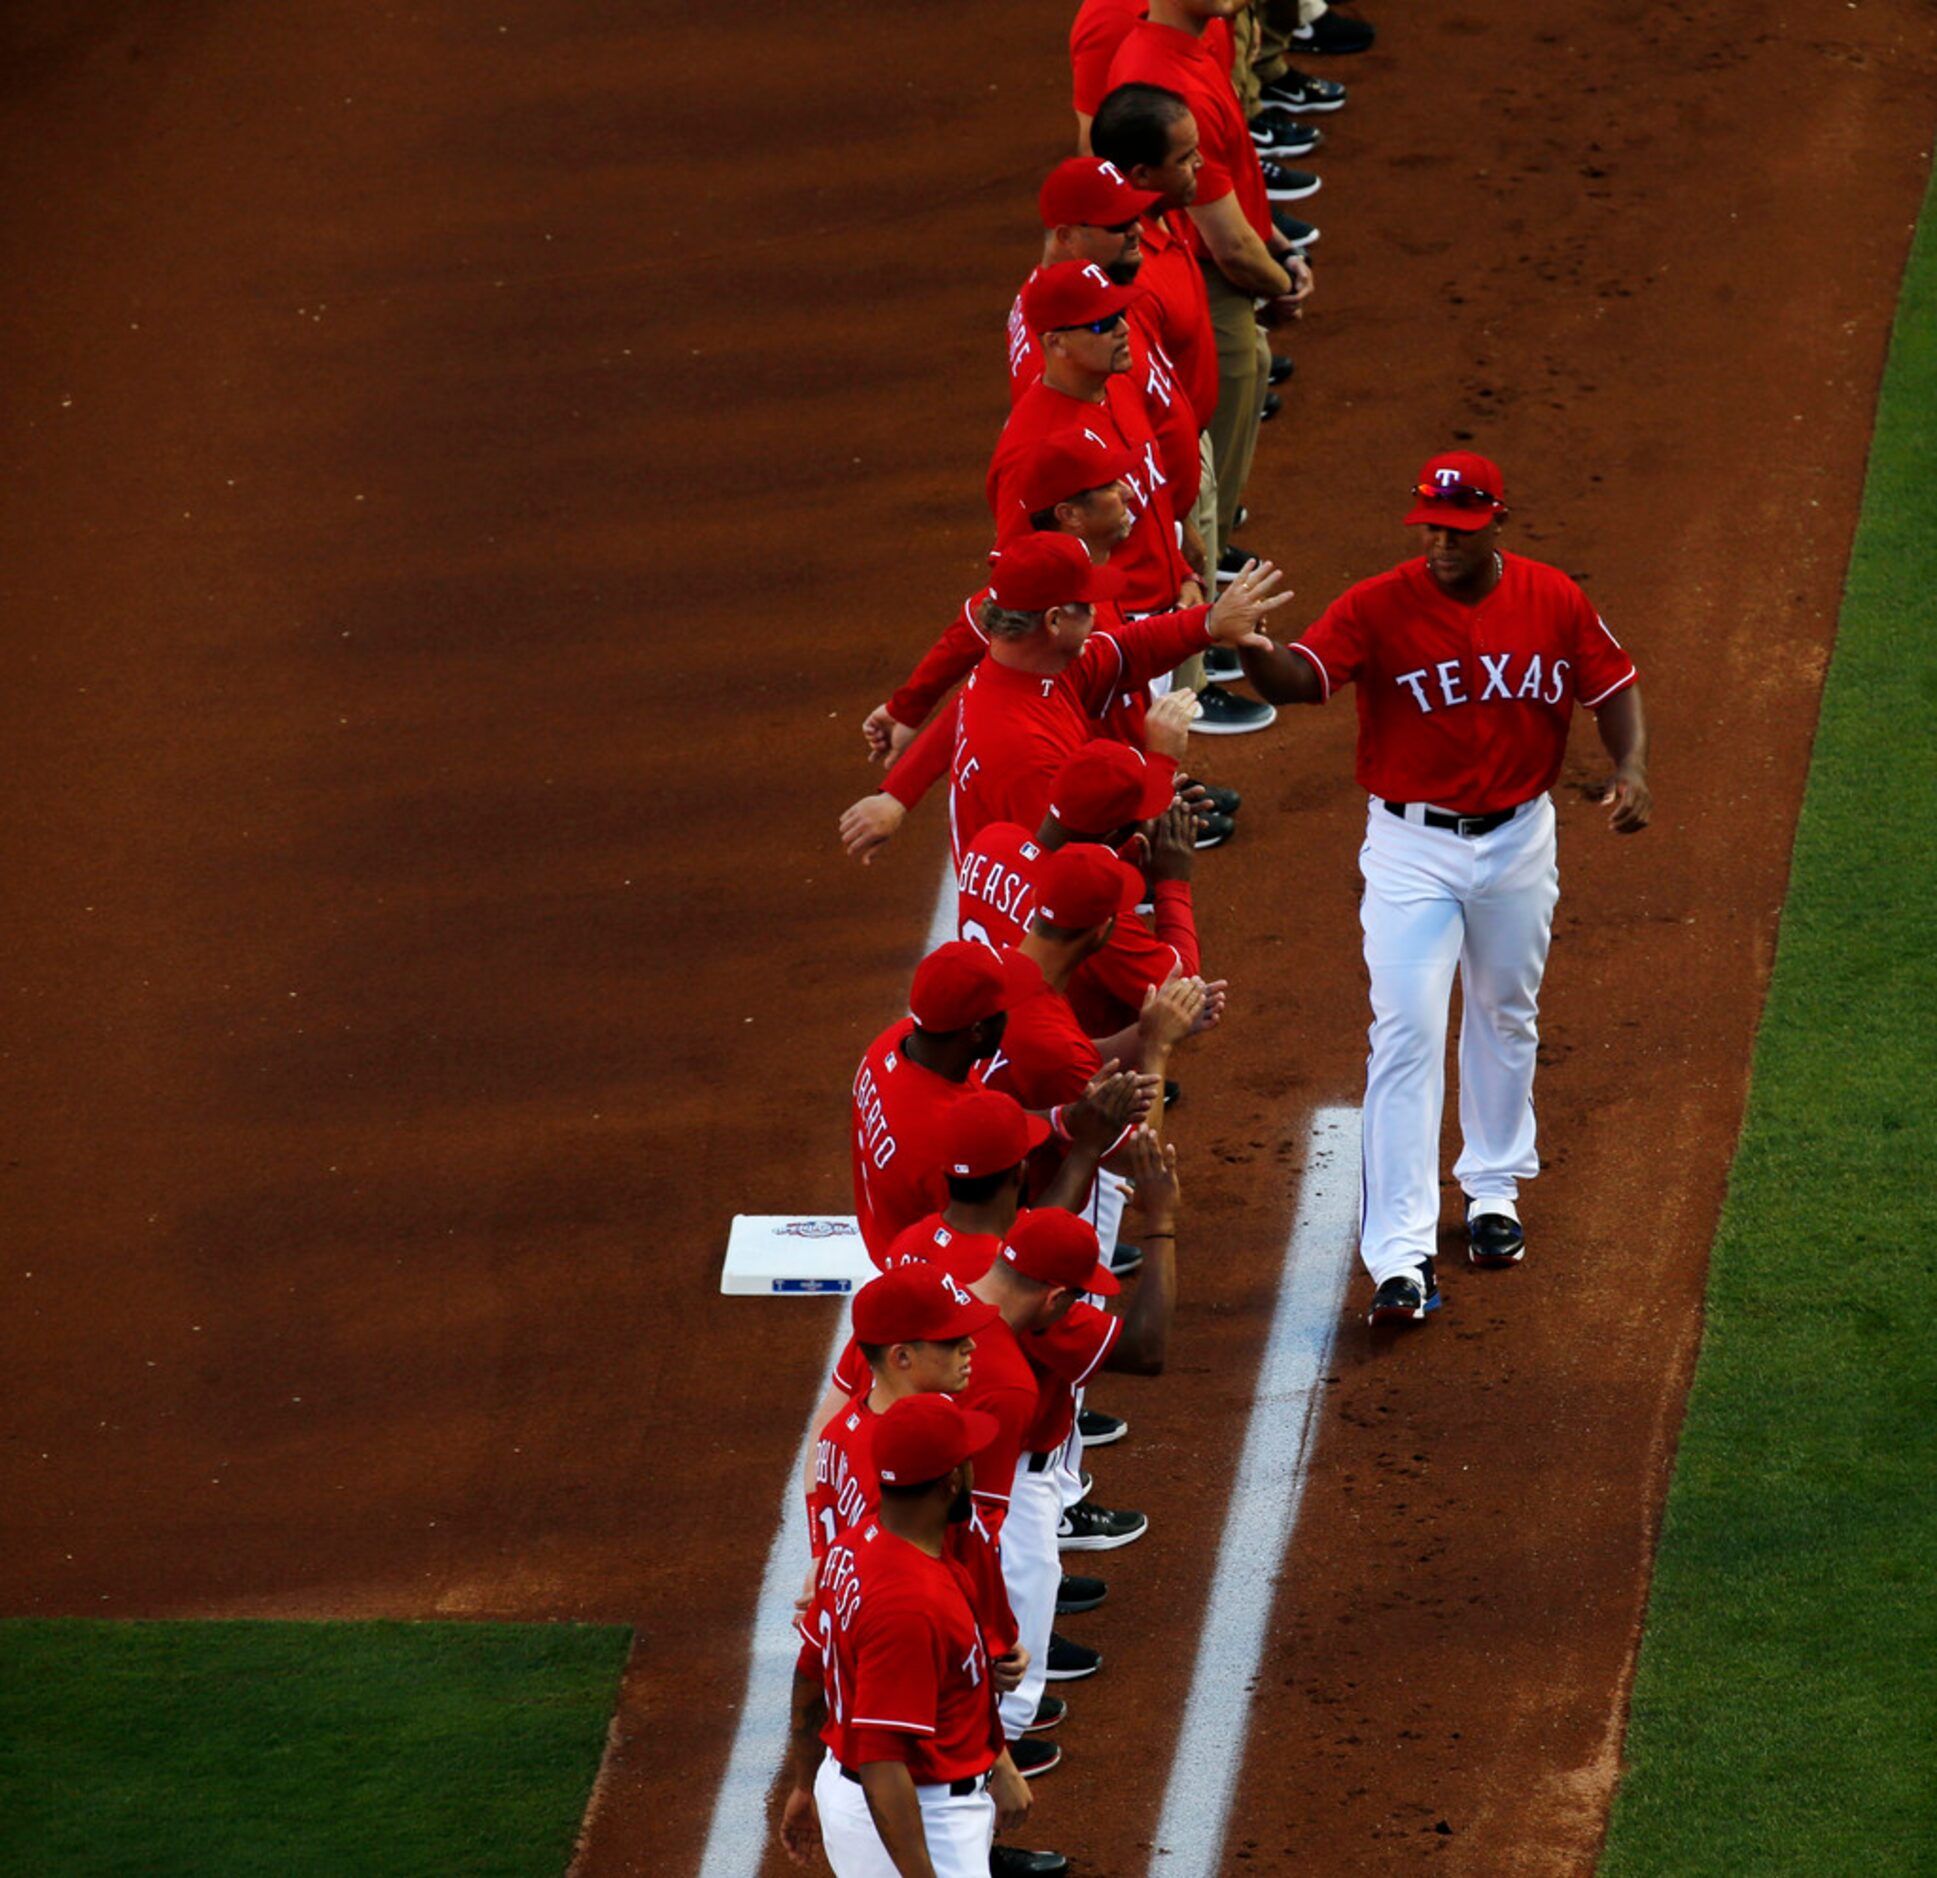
{"points": [[1458, 490]]}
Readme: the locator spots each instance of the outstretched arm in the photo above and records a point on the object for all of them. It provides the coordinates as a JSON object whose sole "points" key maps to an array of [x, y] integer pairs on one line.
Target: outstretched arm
{"points": [[1623, 725], [1282, 675]]}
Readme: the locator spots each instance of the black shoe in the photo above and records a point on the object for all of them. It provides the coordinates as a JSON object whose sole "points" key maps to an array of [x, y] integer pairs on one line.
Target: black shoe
{"points": [[1223, 713], [1493, 1238], [1219, 800], [1272, 405], [1231, 563], [1070, 1662], [1405, 1299], [1100, 1430], [1125, 1259], [1243, 515], [1087, 1528], [1282, 367], [1333, 33], [1076, 1594], [1222, 666], [1299, 91], [1283, 139], [1173, 1089], [1213, 831], [1049, 1711], [1283, 185], [1033, 1755], [1301, 235], [1012, 1861]]}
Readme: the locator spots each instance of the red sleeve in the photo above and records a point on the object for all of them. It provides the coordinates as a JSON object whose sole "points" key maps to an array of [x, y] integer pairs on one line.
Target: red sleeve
{"points": [[1177, 923], [973, 1548], [851, 1372], [1100, 28], [925, 761], [1334, 643], [946, 663], [1601, 667], [897, 1680], [1131, 655]]}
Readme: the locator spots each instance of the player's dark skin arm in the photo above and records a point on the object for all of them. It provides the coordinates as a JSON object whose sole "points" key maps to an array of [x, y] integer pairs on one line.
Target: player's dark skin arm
{"points": [[1282, 676], [890, 1790], [1143, 1344], [800, 1833], [1623, 725]]}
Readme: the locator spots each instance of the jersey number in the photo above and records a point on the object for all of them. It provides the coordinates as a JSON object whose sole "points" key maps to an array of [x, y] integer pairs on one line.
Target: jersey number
{"points": [[830, 1665]]}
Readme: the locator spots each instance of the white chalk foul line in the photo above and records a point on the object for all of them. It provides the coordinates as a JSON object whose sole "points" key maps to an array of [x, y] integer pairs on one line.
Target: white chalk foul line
{"points": [[1264, 1504], [737, 1840]]}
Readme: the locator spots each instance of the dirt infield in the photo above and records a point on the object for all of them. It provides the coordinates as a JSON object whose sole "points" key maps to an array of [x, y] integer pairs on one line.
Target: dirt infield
{"points": [[470, 473]]}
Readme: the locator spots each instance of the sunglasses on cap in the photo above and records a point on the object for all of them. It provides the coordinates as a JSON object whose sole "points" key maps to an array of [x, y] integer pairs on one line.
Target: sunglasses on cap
{"points": [[1456, 495], [1098, 327]]}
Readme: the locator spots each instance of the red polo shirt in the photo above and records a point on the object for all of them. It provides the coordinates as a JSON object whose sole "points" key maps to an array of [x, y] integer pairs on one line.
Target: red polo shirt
{"points": [[1101, 26], [1173, 287]]}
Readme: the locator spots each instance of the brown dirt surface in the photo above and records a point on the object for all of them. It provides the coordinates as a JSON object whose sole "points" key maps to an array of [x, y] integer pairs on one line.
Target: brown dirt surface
{"points": [[471, 469]]}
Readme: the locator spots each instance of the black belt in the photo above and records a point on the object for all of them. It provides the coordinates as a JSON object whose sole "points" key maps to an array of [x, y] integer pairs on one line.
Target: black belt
{"points": [[958, 1789], [1039, 1463], [1459, 824]]}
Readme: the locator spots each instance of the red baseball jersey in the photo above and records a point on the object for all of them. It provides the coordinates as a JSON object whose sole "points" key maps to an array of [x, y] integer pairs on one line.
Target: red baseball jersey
{"points": [[1046, 1057], [847, 1489], [1103, 25], [1173, 421], [1065, 1357], [944, 665], [1168, 56], [901, 1138], [996, 899], [1174, 296], [895, 1638], [1151, 563], [1465, 707], [1001, 1384]]}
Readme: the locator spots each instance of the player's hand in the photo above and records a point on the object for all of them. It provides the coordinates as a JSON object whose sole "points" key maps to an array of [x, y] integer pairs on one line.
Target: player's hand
{"points": [[887, 736], [1631, 802], [1007, 1672], [1173, 843], [806, 1590], [1166, 725], [800, 1826], [1170, 1011], [869, 825], [1196, 556], [1115, 1098], [1216, 991], [1234, 619], [1152, 1167], [1011, 1794]]}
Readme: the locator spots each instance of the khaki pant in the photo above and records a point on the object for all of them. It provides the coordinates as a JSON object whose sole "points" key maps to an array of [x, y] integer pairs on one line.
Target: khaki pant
{"points": [[1243, 365], [1262, 36], [1204, 519]]}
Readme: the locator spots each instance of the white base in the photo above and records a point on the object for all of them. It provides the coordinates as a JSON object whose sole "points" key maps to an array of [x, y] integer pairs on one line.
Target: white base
{"points": [[794, 1254]]}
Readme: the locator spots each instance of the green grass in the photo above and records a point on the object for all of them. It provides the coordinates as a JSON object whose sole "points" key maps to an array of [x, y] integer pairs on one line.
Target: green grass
{"points": [[353, 1750], [1785, 1704]]}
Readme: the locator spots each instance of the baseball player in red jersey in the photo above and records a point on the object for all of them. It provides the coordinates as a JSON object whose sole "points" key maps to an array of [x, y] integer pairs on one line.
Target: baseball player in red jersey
{"points": [[1049, 676], [1469, 662], [893, 1679]]}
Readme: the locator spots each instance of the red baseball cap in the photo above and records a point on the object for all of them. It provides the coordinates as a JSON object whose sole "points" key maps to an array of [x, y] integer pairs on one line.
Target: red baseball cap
{"points": [[1107, 784], [1071, 293], [1084, 884], [989, 1133], [961, 983], [918, 1304], [1057, 1248], [1088, 190], [1035, 572], [1458, 490], [1067, 467], [923, 1437]]}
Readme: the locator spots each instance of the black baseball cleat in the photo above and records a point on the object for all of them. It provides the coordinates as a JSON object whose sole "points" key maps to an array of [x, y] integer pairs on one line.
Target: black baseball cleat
{"points": [[1243, 515], [1033, 1755], [1049, 1711], [1231, 563], [1282, 138], [1282, 367], [1125, 1259], [1173, 1089], [1213, 831], [1014, 1861], [1287, 185], [1301, 235], [1272, 405], [1406, 1298], [1217, 798], [1333, 33], [1076, 1594], [1493, 1238], [1222, 713], [1070, 1662], [1100, 1430], [1300, 92], [1087, 1528]]}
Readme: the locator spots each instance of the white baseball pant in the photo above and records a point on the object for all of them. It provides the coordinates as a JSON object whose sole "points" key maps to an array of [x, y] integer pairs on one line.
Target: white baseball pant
{"points": [[1435, 900], [1032, 1572], [960, 1828]]}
